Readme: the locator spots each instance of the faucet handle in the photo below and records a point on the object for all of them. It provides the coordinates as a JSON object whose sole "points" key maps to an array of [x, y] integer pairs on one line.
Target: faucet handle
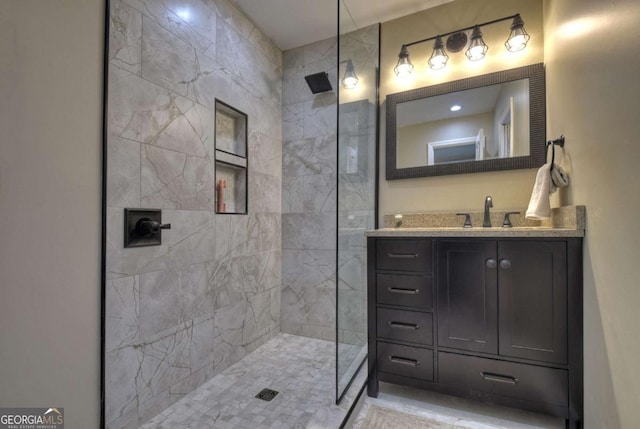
{"points": [[467, 219], [507, 221]]}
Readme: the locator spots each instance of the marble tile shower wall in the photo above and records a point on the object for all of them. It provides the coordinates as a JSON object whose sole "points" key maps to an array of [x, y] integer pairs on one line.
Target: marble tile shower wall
{"points": [[182, 312], [310, 181], [309, 206]]}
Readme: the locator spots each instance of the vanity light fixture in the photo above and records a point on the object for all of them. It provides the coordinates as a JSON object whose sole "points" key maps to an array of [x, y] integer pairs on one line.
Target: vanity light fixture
{"points": [[518, 37], [350, 80], [404, 67], [517, 41]]}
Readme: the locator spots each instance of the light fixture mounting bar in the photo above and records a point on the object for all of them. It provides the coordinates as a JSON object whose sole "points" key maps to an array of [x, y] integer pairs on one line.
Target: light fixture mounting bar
{"points": [[460, 30]]}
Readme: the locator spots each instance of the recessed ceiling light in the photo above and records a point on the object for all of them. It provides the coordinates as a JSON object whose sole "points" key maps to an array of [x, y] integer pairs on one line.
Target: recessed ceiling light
{"points": [[455, 107]]}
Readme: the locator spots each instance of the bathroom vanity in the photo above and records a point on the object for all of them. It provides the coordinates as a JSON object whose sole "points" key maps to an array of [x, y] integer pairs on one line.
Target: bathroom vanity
{"points": [[493, 314]]}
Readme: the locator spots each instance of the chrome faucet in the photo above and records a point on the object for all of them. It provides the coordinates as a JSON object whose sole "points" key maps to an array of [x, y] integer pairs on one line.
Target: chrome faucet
{"points": [[488, 203]]}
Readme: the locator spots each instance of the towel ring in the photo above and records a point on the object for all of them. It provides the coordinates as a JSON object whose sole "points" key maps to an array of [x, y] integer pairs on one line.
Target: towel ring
{"points": [[553, 143]]}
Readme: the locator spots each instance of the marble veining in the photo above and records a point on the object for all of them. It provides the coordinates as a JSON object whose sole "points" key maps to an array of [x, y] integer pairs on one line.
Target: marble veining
{"points": [[123, 183], [182, 312], [125, 43], [311, 183], [175, 180]]}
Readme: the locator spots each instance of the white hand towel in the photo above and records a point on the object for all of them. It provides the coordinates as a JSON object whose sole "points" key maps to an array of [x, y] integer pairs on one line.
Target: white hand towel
{"points": [[559, 178], [539, 206]]}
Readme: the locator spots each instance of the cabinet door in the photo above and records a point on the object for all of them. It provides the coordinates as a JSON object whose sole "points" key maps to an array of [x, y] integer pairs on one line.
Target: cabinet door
{"points": [[532, 285], [467, 295]]}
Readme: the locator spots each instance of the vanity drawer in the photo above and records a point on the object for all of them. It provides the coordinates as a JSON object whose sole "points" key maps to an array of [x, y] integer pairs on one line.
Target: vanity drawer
{"points": [[406, 361], [403, 255], [401, 325], [407, 290], [514, 380]]}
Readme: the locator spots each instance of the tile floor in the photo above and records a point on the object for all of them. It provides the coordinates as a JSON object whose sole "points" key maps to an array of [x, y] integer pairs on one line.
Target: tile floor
{"points": [[451, 410], [301, 369]]}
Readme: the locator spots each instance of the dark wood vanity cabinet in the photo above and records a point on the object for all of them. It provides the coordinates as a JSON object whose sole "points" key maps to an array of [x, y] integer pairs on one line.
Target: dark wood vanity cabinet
{"points": [[400, 304], [498, 320], [467, 296]]}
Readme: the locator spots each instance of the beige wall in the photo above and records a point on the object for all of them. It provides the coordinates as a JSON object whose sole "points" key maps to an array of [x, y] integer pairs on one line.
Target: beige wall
{"points": [[510, 189], [50, 122], [593, 63]]}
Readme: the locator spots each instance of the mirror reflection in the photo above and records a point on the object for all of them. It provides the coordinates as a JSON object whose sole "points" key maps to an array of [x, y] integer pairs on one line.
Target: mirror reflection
{"points": [[477, 124], [491, 122]]}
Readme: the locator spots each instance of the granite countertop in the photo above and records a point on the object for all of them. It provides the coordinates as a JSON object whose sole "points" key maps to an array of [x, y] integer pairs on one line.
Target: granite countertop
{"points": [[568, 221]]}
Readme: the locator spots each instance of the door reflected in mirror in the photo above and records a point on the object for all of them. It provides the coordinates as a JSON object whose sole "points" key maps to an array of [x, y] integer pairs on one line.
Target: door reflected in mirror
{"points": [[482, 123]]}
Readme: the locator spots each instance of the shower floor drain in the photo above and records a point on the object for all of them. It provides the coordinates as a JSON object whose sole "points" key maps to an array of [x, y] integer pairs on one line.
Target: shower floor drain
{"points": [[266, 394]]}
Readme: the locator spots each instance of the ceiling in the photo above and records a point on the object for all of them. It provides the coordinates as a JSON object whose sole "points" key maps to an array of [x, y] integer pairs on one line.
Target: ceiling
{"points": [[473, 102], [293, 23]]}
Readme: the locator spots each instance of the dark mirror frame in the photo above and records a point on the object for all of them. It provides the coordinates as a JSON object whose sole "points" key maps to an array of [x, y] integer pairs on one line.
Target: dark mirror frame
{"points": [[537, 124]]}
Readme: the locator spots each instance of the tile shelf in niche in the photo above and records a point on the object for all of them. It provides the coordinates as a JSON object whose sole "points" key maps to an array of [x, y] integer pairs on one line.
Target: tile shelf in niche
{"points": [[230, 159]]}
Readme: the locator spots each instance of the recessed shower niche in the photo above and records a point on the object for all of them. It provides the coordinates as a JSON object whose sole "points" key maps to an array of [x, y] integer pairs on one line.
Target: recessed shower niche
{"points": [[231, 159]]}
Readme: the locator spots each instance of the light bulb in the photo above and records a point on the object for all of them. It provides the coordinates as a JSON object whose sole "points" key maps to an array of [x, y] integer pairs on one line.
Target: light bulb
{"points": [[516, 43], [350, 82]]}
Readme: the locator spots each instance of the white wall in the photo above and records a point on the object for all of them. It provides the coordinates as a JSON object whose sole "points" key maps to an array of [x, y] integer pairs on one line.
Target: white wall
{"points": [[415, 138], [593, 62], [50, 126]]}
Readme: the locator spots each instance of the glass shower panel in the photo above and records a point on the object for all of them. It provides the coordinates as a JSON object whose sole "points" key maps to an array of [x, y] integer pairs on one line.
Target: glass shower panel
{"points": [[358, 58]]}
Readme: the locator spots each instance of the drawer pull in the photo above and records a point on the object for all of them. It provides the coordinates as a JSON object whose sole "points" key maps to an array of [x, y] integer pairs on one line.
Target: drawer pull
{"points": [[403, 291], [404, 325], [499, 378], [403, 255], [404, 361]]}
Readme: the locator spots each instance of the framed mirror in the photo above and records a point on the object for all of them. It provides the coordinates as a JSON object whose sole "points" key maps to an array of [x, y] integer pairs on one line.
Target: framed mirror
{"points": [[492, 122]]}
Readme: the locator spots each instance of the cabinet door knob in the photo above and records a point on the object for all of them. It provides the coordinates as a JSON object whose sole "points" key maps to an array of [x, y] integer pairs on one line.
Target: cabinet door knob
{"points": [[491, 263], [505, 264]]}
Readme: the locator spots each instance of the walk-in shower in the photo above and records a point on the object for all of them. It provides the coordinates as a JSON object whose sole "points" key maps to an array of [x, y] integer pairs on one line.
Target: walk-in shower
{"points": [[233, 303]]}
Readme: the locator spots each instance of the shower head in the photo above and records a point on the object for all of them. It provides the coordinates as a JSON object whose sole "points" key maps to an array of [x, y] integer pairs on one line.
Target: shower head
{"points": [[318, 82]]}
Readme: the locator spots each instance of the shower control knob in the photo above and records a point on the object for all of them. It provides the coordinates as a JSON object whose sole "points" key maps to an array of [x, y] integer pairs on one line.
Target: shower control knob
{"points": [[146, 227]]}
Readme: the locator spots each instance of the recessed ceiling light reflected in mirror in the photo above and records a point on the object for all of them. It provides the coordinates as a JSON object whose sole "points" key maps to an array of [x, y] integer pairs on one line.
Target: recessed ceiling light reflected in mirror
{"points": [[455, 108]]}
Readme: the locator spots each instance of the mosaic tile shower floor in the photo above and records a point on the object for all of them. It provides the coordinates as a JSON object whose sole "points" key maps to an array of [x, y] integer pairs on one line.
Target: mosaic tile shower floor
{"points": [[301, 369]]}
